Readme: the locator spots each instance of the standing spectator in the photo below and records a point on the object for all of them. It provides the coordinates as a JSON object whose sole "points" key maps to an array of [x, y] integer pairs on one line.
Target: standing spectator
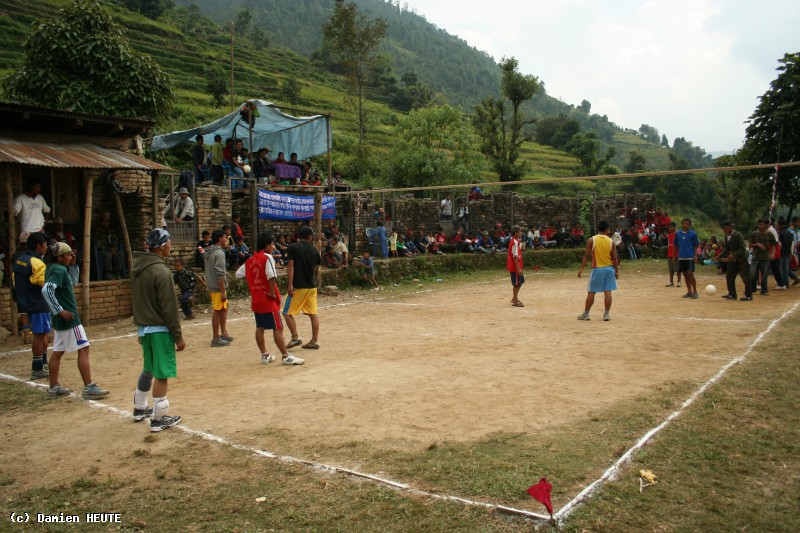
{"points": [[217, 159], [462, 216], [59, 234], [605, 270], [184, 207], [185, 280], [199, 161], [27, 279], [686, 244], [202, 244], [393, 243], [786, 239], [155, 314], [106, 242], [446, 208], [304, 263], [672, 256], [381, 239], [762, 243], [31, 207], [69, 333], [265, 300], [217, 285], [514, 265], [781, 282], [236, 227], [734, 256]]}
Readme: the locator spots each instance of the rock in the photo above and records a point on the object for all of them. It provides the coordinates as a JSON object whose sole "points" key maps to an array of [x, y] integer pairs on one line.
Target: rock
{"points": [[330, 290], [415, 280], [4, 332]]}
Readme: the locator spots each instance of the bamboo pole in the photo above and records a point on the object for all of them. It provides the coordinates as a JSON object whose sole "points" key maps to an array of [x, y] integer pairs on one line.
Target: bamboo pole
{"points": [[124, 228], [318, 230], [154, 193], [87, 249], [12, 246]]}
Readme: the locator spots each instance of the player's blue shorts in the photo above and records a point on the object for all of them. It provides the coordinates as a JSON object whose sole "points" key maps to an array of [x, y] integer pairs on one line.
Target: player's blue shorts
{"points": [[514, 278], [602, 280], [40, 322], [269, 320], [685, 265]]}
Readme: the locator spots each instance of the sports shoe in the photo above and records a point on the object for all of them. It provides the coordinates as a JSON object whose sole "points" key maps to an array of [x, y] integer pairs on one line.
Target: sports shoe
{"points": [[670, 284], [40, 374], [292, 360], [687, 295], [219, 342], [694, 296], [294, 342], [141, 414], [795, 282], [57, 390], [584, 316], [780, 288], [267, 358], [166, 422], [227, 338], [93, 392], [606, 316], [746, 299], [730, 297], [679, 284]]}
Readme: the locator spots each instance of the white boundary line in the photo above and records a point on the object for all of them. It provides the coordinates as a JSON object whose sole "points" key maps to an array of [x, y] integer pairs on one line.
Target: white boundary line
{"points": [[611, 473], [402, 487]]}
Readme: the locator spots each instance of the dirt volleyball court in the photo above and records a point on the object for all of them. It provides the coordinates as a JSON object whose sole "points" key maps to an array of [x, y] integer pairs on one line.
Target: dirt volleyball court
{"points": [[403, 368]]}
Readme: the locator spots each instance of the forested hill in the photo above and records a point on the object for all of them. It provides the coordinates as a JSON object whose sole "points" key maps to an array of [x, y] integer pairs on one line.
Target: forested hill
{"points": [[463, 74]]}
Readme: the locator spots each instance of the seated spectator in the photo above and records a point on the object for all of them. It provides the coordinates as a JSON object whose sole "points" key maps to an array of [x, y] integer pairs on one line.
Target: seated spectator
{"points": [[402, 249], [239, 253], [475, 194], [340, 253], [330, 230], [280, 250], [236, 226], [281, 159], [328, 259], [184, 207], [105, 240], [293, 160], [262, 165], [368, 266], [486, 244], [441, 241], [578, 235], [200, 254], [315, 180]]}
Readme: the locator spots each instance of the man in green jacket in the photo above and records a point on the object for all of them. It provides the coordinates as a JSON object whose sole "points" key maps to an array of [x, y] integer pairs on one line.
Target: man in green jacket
{"points": [[734, 253], [217, 284], [155, 312]]}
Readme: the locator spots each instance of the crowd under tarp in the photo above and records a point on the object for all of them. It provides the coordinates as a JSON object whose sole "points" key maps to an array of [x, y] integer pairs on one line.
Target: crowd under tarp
{"points": [[307, 136]]}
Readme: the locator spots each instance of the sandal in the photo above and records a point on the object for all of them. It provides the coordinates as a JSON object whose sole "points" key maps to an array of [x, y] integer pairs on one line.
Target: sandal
{"points": [[311, 345], [518, 304]]}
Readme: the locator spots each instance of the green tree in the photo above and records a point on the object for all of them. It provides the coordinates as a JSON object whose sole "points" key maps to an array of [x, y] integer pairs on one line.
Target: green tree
{"points": [[290, 90], [355, 40], [555, 131], [438, 146], [216, 83], [80, 60], [244, 21], [500, 121], [149, 8], [259, 38], [586, 146], [743, 196], [664, 141], [586, 106], [774, 131], [636, 163]]}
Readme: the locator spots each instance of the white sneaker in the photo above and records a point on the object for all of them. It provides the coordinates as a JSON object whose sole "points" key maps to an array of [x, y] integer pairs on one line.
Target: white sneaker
{"points": [[292, 360], [584, 316], [780, 288], [267, 358], [607, 316]]}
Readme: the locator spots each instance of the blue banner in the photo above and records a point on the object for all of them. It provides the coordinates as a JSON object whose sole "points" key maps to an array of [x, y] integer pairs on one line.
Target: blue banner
{"points": [[276, 206]]}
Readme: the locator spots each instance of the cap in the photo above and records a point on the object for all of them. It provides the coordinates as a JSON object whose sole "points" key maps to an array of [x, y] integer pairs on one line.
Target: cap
{"points": [[157, 238], [183, 190], [60, 248], [23, 237], [725, 223]]}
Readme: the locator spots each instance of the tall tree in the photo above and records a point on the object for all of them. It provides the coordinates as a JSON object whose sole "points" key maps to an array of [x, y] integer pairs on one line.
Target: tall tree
{"points": [[586, 146], [774, 131], [636, 163], [743, 197], [438, 146], [500, 121], [80, 60], [355, 40]]}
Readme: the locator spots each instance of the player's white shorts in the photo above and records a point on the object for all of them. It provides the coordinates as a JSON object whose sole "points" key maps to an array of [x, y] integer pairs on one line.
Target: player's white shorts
{"points": [[69, 340]]}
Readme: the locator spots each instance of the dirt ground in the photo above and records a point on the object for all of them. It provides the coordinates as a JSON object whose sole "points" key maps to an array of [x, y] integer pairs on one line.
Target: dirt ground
{"points": [[449, 361]]}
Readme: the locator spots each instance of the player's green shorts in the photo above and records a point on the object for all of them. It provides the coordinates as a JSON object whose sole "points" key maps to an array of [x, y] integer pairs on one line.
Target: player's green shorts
{"points": [[158, 350]]}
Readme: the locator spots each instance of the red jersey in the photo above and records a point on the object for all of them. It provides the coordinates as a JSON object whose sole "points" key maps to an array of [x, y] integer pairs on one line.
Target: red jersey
{"points": [[671, 248], [259, 269], [514, 259]]}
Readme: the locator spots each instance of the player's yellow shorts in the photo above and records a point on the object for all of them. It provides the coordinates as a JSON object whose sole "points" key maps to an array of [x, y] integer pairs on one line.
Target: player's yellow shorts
{"points": [[216, 301], [302, 301]]}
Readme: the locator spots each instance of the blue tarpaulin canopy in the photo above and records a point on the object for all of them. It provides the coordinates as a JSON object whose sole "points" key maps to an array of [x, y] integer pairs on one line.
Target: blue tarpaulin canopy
{"points": [[308, 136]]}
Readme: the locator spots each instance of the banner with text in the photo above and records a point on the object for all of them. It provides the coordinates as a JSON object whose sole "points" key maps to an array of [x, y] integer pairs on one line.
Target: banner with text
{"points": [[276, 206]]}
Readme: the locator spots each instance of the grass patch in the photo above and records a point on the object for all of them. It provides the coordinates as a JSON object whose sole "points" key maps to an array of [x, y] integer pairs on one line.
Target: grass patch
{"points": [[17, 398]]}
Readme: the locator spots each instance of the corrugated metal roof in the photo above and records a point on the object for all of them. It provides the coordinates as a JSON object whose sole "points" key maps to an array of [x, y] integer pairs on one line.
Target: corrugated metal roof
{"points": [[71, 155]]}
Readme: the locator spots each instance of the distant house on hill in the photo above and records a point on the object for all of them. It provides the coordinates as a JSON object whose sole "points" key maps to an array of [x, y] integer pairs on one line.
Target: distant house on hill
{"points": [[86, 166]]}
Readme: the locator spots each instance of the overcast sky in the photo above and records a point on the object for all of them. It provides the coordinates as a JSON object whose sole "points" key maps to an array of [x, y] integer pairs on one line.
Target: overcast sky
{"points": [[691, 68]]}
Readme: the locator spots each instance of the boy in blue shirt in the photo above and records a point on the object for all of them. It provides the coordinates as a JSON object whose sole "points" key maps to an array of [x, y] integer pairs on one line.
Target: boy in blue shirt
{"points": [[686, 243], [368, 264]]}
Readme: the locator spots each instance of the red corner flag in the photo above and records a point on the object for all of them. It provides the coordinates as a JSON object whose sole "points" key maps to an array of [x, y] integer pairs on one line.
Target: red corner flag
{"points": [[541, 492]]}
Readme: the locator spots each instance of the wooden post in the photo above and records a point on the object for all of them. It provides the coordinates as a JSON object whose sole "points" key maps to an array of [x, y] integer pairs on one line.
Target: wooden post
{"points": [[328, 120], [154, 192], [254, 236], [318, 230], [12, 246], [124, 227], [87, 248]]}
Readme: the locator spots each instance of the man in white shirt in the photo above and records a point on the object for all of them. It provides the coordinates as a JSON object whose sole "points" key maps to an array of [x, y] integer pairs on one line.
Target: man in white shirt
{"points": [[446, 208], [184, 207], [31, 207]]}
